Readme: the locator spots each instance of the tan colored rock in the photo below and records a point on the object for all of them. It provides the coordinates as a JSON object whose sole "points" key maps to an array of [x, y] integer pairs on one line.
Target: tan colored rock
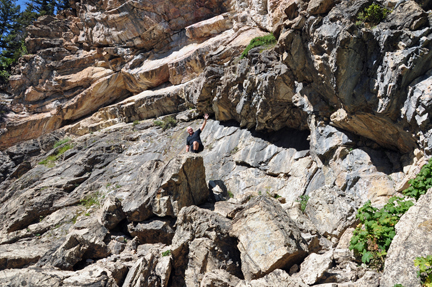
{"points": [[384, 133], [86, 240], [314, 267], [18, 129], [33, 95], [112, 213], [81, 79], [219, 278], [148, 104], [276, 278], [103, 91], [149, 271], [320, 6], [210, 27], [412, 240], [331, 211], [266, 244], [183, 184], [280, 11], [21, 254], [362, 178], [202, 244], [167, 188]]}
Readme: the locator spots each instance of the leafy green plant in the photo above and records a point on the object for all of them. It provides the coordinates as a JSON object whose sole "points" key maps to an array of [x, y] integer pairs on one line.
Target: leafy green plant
{"points": [[266, 40], [230, 194], [372, 15], [166, 253], [421, 183], [135, 123], [167, 123], [303, 199], [425, 270], [373, 236]]}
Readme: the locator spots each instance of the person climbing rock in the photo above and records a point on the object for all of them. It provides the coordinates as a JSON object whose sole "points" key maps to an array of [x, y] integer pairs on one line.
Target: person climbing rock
{"points": [[193, 141]]}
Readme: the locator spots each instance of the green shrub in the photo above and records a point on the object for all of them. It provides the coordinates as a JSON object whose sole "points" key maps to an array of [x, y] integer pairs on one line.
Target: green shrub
{"points": [[266, 40], [230, 194], [373, 236], [421, 183], [166, 253], [167, 123], [373, 14], [303, 199], [425, 270], [135, 123]]}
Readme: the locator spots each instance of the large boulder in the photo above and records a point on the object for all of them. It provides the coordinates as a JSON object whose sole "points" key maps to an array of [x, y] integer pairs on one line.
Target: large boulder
{"points": [[153, 230], [167, 189], [313, 268], [411, 241], [268, 239], [331, 211], [202, 244], [85, 241], [150, 270]]}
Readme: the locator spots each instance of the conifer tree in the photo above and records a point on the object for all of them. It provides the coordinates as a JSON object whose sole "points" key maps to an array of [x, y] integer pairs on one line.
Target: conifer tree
{"points": [[42, 7], [9, 33]]}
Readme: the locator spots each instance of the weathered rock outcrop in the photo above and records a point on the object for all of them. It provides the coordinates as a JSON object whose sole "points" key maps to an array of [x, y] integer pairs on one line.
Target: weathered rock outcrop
{"points": [[335, 111], [411, 241], [181, 182], [202, 244], [268, 238]]}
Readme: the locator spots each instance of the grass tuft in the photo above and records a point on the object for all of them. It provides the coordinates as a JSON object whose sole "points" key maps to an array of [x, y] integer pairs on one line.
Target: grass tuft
{"points": [[266, 40], [167, 123]]}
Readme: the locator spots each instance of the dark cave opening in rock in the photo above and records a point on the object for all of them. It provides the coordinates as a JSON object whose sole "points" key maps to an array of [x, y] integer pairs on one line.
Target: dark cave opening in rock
{"points": [[285, 137]]}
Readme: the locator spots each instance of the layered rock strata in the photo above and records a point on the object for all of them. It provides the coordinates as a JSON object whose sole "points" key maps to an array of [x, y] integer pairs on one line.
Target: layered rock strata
{"points": [[335, 110]]}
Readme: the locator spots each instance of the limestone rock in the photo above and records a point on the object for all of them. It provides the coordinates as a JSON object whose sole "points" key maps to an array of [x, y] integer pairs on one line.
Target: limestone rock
{"points": [[264, 242], [179, 183], [21, 254], [328, 208], [91, 275], [219, 278], [153, 231], [202, 244], [326, 139], [209, 27], [183, 184], [149, 271], [276, 278], [85, 242], [320, 6], [411, 241], [112, 213], [314, 266]]}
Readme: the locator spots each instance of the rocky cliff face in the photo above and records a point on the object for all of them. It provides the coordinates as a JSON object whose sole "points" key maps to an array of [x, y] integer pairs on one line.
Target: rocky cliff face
{"points": [[93, 192]]}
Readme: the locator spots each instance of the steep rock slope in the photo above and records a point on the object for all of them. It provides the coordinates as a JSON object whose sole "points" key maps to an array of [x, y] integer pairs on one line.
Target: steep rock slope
{"points": [[334, 110]]}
